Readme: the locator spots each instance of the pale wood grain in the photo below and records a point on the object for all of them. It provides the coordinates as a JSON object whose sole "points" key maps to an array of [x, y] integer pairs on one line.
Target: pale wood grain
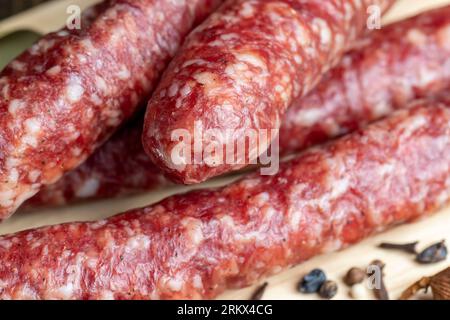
{"points": [[401, 270]]}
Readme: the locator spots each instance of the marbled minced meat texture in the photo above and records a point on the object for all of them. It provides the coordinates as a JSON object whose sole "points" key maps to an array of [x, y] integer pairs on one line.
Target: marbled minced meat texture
{"points": [[239, 71], [119, 168], [71, 90], [198, 244], [388, 68]]}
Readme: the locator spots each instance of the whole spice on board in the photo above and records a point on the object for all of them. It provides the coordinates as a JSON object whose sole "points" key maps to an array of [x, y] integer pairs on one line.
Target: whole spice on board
{"points": [[312, 282], [380, 264], [439, 284], [354, 276], [360, 291], [375, 270], [328, 289], [259, 292], [433, 254], [407, 247]]}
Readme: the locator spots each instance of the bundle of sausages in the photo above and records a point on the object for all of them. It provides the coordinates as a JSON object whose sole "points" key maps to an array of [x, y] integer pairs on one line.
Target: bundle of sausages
{"points": [[387, 69], [240, 69], [67, 94], [198, 244]]}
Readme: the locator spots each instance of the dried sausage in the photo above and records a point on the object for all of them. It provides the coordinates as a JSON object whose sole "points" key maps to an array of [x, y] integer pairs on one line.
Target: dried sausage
{"points": [[120, 167], [236, 75], [70, 91], [387, 69], [197, 245]]}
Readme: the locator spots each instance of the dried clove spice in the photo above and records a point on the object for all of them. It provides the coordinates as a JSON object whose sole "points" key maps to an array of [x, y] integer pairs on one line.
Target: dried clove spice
{"points": [[328, 289], [433, 254], [439, 284], [259, 292], [407, 247], [312, 282], [379, 289], [378, 263], [354, 276]]}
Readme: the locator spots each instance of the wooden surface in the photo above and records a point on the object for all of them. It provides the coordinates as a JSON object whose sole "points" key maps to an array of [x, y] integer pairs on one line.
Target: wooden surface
{"points": [[401, 270]]}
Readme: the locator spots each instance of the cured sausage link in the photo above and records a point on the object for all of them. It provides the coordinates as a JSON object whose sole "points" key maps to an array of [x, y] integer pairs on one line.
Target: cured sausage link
{"points": [[70, 91], [238, 73], [198, 244], [120, 167], [388, 68]]}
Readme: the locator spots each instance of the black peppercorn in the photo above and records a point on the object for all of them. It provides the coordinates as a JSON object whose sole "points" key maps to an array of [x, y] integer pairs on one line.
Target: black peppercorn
{"points": [[312, 282], [328, 289]]}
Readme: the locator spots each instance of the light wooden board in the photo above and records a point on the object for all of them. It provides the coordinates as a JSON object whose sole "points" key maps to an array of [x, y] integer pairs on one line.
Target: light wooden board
{"points": [[401, 270]]}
